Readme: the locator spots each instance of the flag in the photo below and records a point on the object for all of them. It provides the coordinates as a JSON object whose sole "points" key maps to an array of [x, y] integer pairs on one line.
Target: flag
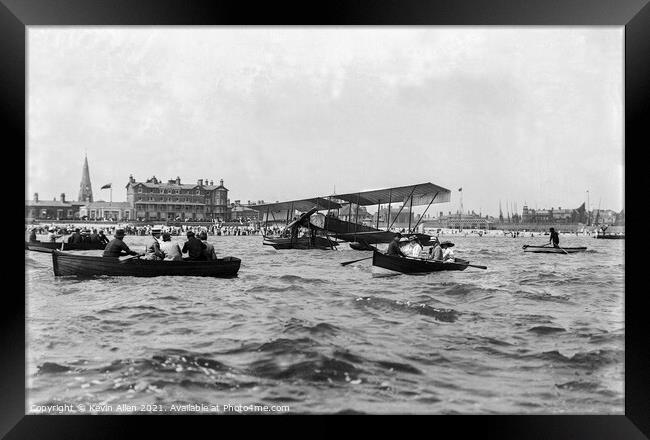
{"points": [[460, 189], [108, 185]]}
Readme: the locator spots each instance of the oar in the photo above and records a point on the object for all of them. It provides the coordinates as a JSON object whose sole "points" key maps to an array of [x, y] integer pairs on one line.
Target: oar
{"points": [[354, 261], [563, 250], [473, 265]]}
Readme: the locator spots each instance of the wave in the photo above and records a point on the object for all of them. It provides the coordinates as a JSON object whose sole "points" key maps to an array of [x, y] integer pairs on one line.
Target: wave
{"points": [[444, 315], [589, 360], [546, 330], [322, 328], [299, 279], [322, 369]]}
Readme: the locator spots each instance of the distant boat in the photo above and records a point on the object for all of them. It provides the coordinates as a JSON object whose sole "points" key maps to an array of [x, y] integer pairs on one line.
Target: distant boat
{"points": [[553, 250], [49, 246], [611, 236], [85, 265]]}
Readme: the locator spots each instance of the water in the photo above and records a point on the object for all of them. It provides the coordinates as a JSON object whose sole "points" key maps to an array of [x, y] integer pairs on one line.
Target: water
{"points": [[534, 333]]}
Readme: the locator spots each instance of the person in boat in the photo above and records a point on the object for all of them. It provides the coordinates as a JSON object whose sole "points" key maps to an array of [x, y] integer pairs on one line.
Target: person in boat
{"points": [[103, 238], [94, 238], [170, 249], [117, 248], [193, 247], [415, 247], [153, 251], [394, 246], [435, 252], [75, 238], [554, 238], [447, 252], [32, 234], [52, 236], [209, 251]]}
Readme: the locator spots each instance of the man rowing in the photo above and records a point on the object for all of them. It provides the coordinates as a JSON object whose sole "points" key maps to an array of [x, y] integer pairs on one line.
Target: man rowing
{"points": [[554, 238], [117, 248]]}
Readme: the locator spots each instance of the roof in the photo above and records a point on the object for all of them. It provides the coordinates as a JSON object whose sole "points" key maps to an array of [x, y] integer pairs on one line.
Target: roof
{"points": [[57, 203], [186, 186], [103, 204]]}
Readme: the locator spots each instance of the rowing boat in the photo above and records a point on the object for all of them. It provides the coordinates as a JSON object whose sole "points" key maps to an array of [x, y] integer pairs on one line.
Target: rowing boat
{"points": [[415, 265], [316, 242], [49, 246], [611, 236], [553, 250], [86, 265]]}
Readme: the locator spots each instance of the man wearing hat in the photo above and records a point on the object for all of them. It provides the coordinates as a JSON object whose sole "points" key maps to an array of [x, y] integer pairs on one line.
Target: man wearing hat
{"points": [[194, 247], [102, 238], [75, 238], [447, 253], [414, 246], [435, 253], [170, 248], [393, 246], [117, 248], [153, 251]]}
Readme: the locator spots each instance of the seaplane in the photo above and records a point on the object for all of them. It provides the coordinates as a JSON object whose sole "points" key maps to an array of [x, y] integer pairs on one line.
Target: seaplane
{"points": [[316, 222]]}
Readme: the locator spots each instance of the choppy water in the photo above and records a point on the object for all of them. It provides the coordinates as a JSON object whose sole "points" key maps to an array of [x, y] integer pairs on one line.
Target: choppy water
{"points": [[535, 333]]}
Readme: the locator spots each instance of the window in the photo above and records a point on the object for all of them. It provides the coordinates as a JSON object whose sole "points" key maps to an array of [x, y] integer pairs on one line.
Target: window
{"points": [[140, 189]]}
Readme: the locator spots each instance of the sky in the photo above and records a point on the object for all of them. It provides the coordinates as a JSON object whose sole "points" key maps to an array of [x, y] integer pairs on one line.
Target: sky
{"points": [[509, 114]]}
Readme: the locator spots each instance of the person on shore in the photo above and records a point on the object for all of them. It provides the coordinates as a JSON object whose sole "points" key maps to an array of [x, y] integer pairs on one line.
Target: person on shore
{"points": [[171, 250], [447, 252], [153, 251], [117, 248], [554, 238], [435, 252], [75, 238], [394, 246], [193, 247], [209, 251]]}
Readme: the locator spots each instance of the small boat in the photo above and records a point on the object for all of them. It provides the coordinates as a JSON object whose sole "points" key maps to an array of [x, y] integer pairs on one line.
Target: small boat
{"points": [[415, 265], [362, 246], [611, 236], [316, 242], [86, 265], [553, 250], [49, 246]]}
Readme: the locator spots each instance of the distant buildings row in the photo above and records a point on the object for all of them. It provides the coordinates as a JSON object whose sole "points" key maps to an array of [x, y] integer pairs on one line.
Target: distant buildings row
{"points": [[173, 201]]}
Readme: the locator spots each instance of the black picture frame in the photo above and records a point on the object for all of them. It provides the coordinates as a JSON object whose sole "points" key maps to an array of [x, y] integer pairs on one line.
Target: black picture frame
{"points": [[16, 15]]}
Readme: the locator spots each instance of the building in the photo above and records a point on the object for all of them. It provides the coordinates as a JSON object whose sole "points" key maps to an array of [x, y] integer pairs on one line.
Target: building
{"points": [[36, 209], [154, 200], [110, 211], [244, 212], [559, 215], [85, 188], [460, 221]]}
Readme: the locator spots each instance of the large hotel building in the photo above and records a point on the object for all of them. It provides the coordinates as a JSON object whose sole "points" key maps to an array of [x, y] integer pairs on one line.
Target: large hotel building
{"points": [[155, 200]]}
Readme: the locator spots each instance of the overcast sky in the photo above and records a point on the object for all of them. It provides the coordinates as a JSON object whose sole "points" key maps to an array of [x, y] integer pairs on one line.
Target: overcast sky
{"points": [[529, 115]]}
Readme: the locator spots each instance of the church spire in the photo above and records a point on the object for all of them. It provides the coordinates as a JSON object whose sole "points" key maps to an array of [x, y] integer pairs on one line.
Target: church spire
{"points": [[85, 189]]}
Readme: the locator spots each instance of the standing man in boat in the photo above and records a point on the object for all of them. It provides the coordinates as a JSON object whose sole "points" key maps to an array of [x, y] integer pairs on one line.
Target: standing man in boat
{"points": [[554, 238], [117, 248], [393, 246]]}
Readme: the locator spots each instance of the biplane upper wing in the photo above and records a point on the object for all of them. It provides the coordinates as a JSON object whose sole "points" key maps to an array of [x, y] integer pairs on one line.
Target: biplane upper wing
{"points": [[302, 205], [422, 193]]}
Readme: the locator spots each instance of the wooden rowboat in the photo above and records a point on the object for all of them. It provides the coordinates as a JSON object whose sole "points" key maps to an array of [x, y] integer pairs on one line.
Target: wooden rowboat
{"points": [[86, 265], [611, 236], [415, 265], [317, 242], [49, 246], [552, 250]]}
